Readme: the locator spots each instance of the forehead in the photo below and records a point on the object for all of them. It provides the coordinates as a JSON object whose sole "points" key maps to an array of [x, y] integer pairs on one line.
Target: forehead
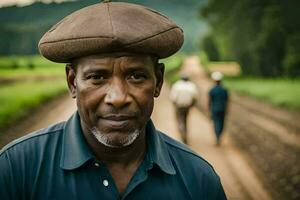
{"points": [[107, 60]]}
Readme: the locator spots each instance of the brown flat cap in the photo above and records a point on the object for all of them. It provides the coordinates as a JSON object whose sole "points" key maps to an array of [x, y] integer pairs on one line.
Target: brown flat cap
{"points": [[111, 27]]}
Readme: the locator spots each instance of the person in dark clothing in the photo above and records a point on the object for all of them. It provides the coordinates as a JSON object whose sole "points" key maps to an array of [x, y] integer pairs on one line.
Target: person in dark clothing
{"points": [[218, 100]]}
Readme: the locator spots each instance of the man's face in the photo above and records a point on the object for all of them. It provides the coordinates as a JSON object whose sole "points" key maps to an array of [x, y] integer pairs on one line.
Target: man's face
{"points": [[115, 95]]}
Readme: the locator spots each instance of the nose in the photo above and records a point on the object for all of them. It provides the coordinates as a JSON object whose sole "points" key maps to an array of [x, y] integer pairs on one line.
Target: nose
{"points": [[117, 94]]}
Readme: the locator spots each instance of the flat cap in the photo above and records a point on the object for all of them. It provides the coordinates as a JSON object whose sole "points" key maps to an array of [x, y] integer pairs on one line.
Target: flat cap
{"points": [[109, 27]]}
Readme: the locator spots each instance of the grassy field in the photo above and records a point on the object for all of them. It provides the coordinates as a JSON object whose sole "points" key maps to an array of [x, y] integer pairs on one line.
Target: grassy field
{"points": [[24, 92], [280, 92], [18, 99], [28, 66]]}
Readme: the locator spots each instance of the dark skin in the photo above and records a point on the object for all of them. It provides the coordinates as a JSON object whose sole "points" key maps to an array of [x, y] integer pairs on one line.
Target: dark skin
{"points": [[115, 94]]}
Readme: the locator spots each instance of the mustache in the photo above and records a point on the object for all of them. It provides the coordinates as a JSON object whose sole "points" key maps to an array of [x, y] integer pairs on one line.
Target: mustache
{"points": [[113, 112]]}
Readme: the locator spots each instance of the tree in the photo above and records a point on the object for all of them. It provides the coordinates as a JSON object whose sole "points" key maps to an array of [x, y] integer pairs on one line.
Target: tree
{"points": [[209, 46], [262, 35]]}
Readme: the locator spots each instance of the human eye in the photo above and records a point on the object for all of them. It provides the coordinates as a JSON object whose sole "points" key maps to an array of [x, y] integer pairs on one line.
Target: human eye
{"points": [[138, 76], [95, 77]]}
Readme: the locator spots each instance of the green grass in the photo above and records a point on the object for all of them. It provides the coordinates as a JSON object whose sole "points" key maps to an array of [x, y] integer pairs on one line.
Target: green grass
{"points": [[172, 67], [18, 99], [173, 62], [204, 60], [280, 92], [28, 66]]}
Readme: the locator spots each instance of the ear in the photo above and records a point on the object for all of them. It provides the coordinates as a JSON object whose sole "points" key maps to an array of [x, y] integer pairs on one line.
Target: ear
{"points": [[159, 73], [71, 80]]}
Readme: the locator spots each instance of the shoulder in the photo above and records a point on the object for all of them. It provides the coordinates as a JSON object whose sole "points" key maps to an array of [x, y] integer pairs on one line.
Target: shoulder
{"points": [[215, 87], [224, 90], [212, 90], [195, 172], [222, 87], [33, 140], [187, 158]]}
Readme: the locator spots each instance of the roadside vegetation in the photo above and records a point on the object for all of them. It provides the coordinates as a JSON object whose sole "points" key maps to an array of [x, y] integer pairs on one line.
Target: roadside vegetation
{"points": [[172, 67], [32, 81], [28, 67], [17, 100], [260, 35], [277, 91]]}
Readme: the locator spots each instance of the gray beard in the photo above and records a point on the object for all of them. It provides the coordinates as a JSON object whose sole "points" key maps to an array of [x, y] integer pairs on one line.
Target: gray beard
{"points": [[106, 141]]}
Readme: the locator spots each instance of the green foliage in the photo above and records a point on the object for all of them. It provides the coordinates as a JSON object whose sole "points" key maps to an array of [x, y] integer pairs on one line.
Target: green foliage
{"points": [[261, 35], [209, 46], [18, 99], [173, 63], [22, 27], [270, 47], [291, 61], [26, 82], [204, 59], [29, 67], [172, 67], [277, 91]]}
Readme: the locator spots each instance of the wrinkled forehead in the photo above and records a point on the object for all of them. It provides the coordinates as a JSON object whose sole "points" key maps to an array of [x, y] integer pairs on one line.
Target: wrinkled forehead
{"points": [[113, 58]]}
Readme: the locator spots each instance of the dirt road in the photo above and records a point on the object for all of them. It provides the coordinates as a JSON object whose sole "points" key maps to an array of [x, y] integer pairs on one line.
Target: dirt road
{"points": [[237, 177], [55, 111]]}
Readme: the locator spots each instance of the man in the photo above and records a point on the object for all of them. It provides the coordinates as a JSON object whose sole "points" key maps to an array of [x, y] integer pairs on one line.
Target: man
{"points": [[183, 94], [218, 100], [109, 149]]}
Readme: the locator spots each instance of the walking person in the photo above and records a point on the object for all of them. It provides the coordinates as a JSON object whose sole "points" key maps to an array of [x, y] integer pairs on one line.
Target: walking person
{"points": [[218, 101], [183, 95]]}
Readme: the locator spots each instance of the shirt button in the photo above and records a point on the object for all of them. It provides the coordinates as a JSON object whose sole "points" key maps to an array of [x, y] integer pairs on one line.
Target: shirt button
{"points": [[97, 164], [105, 182]]}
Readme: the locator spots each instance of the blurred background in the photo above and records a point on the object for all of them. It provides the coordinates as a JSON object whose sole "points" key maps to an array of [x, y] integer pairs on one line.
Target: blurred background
{"points": [[254, 43]]}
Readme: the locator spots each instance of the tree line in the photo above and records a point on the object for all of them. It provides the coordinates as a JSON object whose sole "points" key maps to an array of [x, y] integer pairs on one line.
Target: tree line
{"points": [[262, 35], [22, 27]]}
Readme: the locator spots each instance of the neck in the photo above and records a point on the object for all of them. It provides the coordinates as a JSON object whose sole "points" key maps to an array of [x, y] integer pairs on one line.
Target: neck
{"points": [[125, 156]]}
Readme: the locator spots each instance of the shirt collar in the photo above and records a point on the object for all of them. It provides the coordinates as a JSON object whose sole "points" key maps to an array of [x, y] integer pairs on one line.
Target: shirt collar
{"points": [[157, 150], [75, 151]]}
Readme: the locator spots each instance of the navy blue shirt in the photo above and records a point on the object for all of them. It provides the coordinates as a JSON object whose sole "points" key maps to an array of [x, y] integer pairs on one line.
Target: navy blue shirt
{"points": [[218, 98], [57, 163]]}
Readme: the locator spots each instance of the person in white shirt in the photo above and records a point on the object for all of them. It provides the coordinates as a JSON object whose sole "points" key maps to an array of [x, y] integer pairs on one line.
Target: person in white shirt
{"points": [[183, 95]]}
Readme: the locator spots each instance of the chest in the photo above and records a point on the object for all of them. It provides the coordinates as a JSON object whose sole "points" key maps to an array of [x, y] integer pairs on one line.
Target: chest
{"points": [[98, 183], [121, 177]]}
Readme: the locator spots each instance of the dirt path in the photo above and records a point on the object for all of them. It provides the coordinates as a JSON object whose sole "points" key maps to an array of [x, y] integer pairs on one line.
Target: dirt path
{"points": [[237, 177], [55, 111], [201, 140]]}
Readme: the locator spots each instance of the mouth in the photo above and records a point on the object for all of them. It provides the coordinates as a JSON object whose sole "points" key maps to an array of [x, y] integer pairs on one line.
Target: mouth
{"points": [[118, 117], [117, 121]]}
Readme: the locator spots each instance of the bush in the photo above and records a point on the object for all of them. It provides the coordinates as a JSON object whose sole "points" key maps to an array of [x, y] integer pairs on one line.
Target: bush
{"points": [[292, 58]]}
